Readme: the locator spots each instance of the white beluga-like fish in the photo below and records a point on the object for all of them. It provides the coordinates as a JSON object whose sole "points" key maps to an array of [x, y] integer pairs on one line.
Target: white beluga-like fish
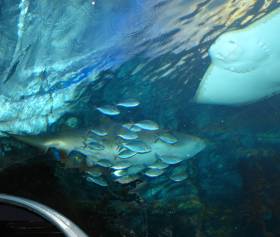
{"points": [[108, 110], [245, 64], [138, 156], [128, 103]]}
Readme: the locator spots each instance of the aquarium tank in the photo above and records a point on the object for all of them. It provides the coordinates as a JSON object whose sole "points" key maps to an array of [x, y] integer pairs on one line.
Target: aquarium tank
{"points": [[144, 118]]}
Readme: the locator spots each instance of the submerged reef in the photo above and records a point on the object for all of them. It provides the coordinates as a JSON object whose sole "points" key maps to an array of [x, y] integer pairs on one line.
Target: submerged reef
{"points": [[196, 207]]}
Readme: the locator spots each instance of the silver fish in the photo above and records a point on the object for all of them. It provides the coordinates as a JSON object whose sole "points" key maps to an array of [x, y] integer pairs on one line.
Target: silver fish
{"points": [[121, 165], [171, 159], [108, 110], [147, 125], [125, 154], [129, 103], [131, 127], [95, 146], [128, 135], [91, 139], [178, 174], [119, 173], [135, 129], [168, 138], [137, 146], [104, 163], [97, 180], [99, 132], [158, 165], [153, 172], [127, 179], [94, 172], [178, 177]]}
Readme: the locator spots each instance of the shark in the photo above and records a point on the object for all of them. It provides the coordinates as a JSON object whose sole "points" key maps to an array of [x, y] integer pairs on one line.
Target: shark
{"points": [[101, 156]]}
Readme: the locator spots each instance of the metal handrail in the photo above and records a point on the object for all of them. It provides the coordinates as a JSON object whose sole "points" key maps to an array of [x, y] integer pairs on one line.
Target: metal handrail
{"points": [[61, 222]]}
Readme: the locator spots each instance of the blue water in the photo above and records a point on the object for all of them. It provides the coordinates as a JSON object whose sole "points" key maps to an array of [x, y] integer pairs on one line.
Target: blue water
{"points": [[155, 51]]}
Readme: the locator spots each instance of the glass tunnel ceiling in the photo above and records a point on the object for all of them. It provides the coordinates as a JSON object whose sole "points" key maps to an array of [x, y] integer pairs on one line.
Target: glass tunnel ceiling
{"points": [[53, 52]]}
